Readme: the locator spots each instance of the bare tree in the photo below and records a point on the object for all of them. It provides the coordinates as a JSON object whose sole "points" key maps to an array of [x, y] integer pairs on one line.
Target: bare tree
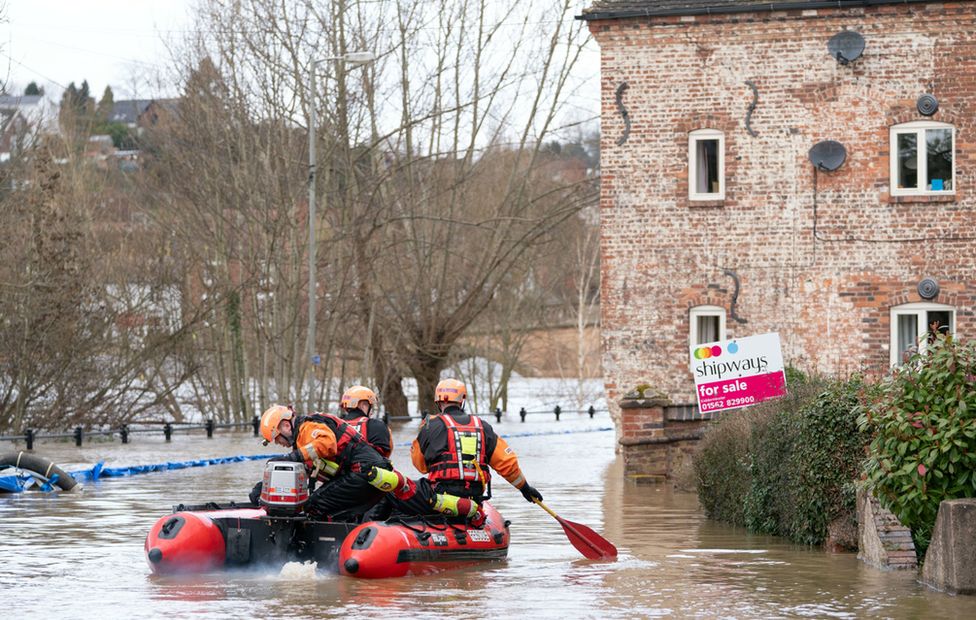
{"points": [[79, 340], [457, 203], [227, 184], [431, 170], [492, 350]]}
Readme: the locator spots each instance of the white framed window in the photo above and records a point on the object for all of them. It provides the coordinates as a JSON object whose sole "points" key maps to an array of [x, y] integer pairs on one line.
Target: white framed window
{"points": [[912, 325], [706, 165], [706, 324], [923, 161]]}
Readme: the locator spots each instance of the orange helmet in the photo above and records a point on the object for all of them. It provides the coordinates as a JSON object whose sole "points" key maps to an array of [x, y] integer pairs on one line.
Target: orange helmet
{"points": [[271, 418], [355, 394], [450, 391]]}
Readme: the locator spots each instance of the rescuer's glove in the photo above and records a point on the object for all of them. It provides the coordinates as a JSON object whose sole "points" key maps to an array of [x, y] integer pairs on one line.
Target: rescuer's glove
{"points": [[295, 456], [530, 494], [255, 494]]}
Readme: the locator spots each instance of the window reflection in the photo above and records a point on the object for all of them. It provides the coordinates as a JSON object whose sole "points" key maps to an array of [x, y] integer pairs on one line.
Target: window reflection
{"points": [[938, 151], [907, 161]]}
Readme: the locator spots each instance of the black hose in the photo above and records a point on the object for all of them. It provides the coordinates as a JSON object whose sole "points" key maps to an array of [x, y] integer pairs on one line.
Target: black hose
{"points": [[39, 465]]}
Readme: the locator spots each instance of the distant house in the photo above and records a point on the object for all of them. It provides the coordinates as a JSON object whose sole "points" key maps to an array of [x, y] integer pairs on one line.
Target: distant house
{"points": [[157, 111], [99, 147], [20, 117], [100, 144], [141, 113], [128, 111]]}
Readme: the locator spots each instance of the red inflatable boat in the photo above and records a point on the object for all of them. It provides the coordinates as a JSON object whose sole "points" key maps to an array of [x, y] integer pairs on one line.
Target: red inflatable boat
{"points": [[202, 538], [208, 537], [414, 547]]}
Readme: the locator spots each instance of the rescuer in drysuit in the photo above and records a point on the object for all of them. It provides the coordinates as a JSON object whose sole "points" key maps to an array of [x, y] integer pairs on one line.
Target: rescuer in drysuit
{"points": [[326, 443], [455, 450], [356, 404], [358, 476], [405, 496]]}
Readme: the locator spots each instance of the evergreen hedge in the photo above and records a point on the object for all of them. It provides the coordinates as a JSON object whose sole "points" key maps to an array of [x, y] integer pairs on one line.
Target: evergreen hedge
{"points": [[786, 467]]}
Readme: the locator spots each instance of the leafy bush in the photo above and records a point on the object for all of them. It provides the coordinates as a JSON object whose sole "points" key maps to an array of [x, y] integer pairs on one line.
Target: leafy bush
{"points": [[790, 464], [769, 497], [721, 465], [922, 420], [805, 462]]}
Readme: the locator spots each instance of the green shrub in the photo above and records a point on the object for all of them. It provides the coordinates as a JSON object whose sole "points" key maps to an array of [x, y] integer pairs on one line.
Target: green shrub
{"points": [[827, 460], [787, 466], [922, 420], [721, 466], [773, 440]]}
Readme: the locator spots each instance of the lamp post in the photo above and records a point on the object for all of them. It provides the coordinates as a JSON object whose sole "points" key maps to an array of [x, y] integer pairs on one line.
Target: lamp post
{"points": [[355, 59]]}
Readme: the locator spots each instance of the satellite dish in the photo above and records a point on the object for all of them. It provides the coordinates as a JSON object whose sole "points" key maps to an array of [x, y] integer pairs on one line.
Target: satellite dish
{"points": [[828, 155], [927, 105], [846, 46], [928, 289]]}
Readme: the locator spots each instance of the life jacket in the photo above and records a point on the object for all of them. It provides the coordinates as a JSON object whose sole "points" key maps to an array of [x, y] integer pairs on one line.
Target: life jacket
{"points": [[361, 424], [346, 438], [465, 458]]}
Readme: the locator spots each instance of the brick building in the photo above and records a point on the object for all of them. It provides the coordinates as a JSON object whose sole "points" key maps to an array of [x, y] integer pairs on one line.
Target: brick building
{"points": [[715, 223]]}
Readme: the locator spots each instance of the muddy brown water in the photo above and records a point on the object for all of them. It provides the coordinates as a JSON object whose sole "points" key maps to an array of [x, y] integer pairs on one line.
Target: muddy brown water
{"points": [[81, 555]]}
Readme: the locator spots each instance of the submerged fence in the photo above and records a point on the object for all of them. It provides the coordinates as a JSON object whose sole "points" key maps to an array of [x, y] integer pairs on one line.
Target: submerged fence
{"points": [[168, 429], [498, 413]]}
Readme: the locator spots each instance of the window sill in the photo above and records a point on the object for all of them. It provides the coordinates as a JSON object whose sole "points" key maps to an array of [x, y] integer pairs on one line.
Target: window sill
{"points": [[719, 202], [922, 198]]}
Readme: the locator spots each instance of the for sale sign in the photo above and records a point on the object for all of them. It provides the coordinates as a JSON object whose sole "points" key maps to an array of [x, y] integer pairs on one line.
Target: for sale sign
{"points": [[738, 373]]}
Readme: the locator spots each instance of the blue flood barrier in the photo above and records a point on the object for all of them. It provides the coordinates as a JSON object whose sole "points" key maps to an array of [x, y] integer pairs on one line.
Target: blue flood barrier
{"points": [[118, 472], [22, 482]]}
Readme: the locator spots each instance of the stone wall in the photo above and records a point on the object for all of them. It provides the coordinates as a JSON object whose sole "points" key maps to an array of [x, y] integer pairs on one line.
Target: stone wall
{"points": [[829, 297]]}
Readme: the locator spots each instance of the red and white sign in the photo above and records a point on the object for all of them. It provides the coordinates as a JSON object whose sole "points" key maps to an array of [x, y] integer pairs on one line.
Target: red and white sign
{"points": [[738, 373]]}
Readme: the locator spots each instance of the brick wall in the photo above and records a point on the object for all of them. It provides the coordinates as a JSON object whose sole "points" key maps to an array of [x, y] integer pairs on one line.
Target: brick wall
{"points": [[829, 299], [657, 438]]}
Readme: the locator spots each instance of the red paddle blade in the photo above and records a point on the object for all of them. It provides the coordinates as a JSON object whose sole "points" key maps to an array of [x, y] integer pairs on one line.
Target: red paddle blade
{"points": [[589, 543]]}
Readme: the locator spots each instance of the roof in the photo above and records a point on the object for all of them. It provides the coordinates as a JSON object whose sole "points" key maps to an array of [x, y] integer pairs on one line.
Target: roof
{"points": [[128, 110], [621, 9], [14, 101]]}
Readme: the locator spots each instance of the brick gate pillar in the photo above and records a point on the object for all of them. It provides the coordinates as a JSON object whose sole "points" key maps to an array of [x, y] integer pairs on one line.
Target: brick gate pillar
{"points": [[642, 437], [657, 438]]}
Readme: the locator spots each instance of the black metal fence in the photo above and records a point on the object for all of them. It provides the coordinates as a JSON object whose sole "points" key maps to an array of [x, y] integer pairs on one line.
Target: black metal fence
{"points": [[522, 413], [167, 429], [125, 431]]}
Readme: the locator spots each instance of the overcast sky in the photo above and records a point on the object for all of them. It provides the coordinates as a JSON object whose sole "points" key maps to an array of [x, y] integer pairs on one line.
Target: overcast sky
{"points": [[122, 43], [54, 42]]}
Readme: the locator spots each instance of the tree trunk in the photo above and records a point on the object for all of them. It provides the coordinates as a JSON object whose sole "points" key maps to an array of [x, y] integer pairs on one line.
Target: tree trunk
{"points": [[427, 372], [389, 381]]}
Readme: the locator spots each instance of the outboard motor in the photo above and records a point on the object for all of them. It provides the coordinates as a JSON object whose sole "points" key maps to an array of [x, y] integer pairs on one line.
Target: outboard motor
{"points": [[285, 488]]}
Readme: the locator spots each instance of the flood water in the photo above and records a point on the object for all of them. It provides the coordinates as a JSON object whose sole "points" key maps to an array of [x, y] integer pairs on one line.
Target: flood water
{"points": [[81, 555]]}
